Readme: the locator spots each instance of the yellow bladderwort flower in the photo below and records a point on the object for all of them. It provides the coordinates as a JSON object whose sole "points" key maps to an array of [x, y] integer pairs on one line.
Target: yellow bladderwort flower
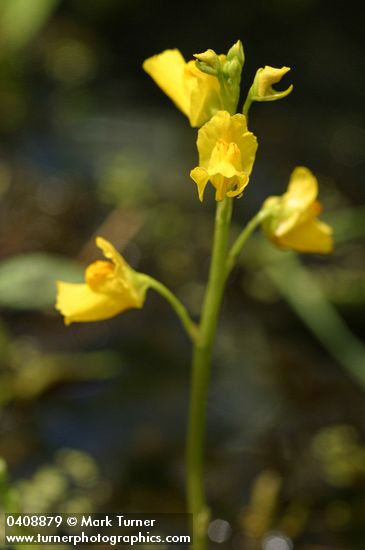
{"points": [[291, 219], [199, 88], [110, 287], [226, 155]]}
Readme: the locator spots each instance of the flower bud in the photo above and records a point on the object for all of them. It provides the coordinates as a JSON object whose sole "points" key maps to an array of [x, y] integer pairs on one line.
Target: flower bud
{"points": [[232, 69], [208, 62], [262, 89], [231, 75], [202, 87], [236, 52]]}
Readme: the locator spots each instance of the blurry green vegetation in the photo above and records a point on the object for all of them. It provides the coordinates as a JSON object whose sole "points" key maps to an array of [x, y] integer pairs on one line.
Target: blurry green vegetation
{"points": [[348, 223], [70, 61], [125, 180], [20, 20], [4, 178], [257, 517], [29, 281], [71, 484], [27, 371], [274, 508], [8, 498], [341, 455], [310, 292], [300, 289]]}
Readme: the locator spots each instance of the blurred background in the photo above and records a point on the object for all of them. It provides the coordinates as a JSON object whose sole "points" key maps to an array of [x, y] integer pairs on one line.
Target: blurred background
{"points": [[93, 416]]}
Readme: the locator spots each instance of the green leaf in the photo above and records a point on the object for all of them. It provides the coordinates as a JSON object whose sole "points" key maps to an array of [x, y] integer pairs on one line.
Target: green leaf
{"points": [[299, 288], [28, 281]]}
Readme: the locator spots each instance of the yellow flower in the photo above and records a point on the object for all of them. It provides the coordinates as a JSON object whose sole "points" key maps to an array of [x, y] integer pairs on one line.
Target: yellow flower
{"points": [[262, 89], [226, 155], [110, 287], [291, 219], [194, 92]]}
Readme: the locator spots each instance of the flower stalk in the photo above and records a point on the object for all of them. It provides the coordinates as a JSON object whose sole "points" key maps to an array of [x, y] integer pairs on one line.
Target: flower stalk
{"points": [[190, 327], [242, 238], [202, 354]]}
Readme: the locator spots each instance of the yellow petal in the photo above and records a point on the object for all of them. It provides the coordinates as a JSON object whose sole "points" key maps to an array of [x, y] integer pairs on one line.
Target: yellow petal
{"points": [[226, 154], [112, 254], [225, 159], [291, 220], [298, 203], [110, 287], [231, 129], [237, 186], [245, 140], [302, 189], [201, 177], [210, 133], [167, 70], [232, 187], [123, 279], [220, 183], [203, 91], [98, 274], [312, 236], [225, 170], [79, 303]]}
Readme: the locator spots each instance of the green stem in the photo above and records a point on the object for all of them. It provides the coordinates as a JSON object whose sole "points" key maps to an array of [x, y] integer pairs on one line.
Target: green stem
{"points": [[247, 104], [224, 91], [180, 310], [202, 355], [242, 238]]}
